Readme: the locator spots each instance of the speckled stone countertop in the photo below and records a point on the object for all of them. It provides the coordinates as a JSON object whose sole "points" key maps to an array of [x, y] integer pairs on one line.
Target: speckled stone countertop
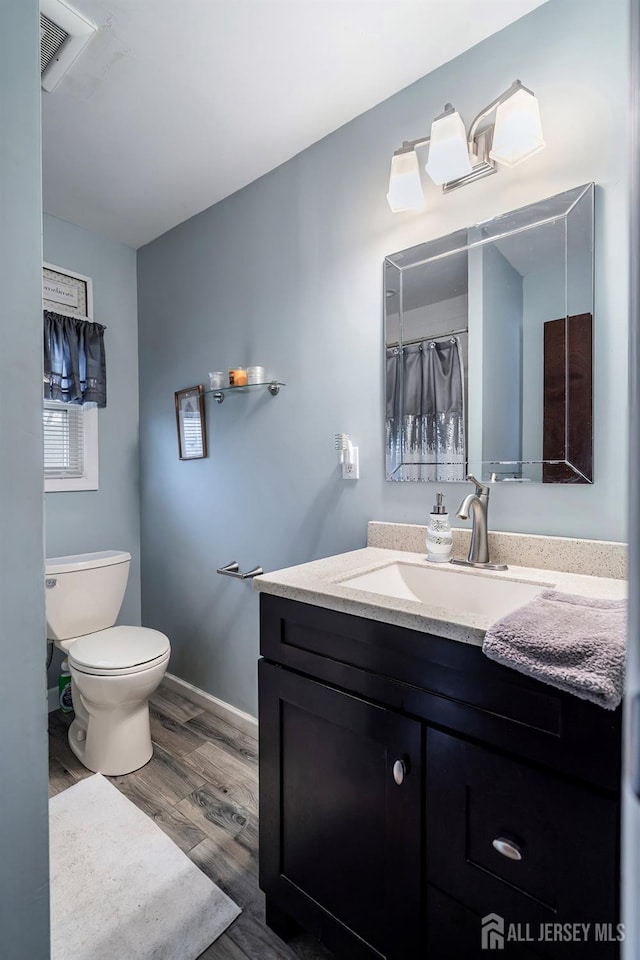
{"points": [[318, 583]]}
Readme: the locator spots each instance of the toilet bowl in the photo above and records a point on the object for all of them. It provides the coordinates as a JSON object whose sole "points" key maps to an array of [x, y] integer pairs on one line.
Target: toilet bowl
{"points": [[114, 670], [113, 674]]}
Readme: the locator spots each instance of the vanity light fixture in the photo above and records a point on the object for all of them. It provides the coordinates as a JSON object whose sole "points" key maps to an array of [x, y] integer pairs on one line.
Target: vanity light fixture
{"points": [[457, 158], [518, 130], [405, 186], [448, 151]]}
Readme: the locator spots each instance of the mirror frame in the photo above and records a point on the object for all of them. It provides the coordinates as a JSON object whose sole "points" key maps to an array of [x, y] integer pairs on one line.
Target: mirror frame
{"points": [[567, 391]]}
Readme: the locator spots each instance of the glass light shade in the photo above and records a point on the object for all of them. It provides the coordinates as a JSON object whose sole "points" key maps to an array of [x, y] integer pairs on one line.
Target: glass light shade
{"points": [[448, 150], [405, 186], [518, 130]]}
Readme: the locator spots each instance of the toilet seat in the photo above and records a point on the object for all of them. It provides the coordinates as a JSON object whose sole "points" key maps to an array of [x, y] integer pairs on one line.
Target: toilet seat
{"points": [[119, 651]]}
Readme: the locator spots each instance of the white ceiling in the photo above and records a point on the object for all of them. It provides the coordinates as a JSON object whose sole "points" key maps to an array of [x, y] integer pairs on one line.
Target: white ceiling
{"points": [[175, 104]]}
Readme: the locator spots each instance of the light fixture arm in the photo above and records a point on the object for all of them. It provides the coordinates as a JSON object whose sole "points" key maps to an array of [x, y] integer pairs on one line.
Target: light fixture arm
{"points": [[409, 145], [486, 111]]}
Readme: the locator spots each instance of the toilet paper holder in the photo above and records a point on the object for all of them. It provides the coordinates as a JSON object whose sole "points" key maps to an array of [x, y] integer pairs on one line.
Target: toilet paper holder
{"points": [[233, 570]]}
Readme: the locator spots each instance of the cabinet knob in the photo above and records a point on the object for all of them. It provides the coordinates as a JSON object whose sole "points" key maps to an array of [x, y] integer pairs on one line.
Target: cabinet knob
{"points": [[399, 771], [507, 848]]}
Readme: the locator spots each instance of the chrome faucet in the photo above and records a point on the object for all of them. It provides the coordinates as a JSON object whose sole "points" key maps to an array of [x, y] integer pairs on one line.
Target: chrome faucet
{"points": [[477, 505]]}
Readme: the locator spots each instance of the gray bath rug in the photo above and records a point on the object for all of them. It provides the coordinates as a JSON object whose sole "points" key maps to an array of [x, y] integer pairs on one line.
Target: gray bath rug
{"points": [[120, 888]]}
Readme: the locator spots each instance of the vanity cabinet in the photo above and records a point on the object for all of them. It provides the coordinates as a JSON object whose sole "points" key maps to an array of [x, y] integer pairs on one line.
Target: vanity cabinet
{"points": [[410, 787]]}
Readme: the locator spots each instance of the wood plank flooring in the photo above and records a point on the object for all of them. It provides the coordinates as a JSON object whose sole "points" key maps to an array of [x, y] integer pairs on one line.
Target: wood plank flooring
{"points": [[201, 788]]}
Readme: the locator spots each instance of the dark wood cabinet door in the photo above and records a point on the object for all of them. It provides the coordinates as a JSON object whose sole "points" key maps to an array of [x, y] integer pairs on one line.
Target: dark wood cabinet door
{"points": [[341, 840]]}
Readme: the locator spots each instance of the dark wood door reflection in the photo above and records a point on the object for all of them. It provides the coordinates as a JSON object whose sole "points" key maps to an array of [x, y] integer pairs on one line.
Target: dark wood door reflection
{"points": [[568, 400]]}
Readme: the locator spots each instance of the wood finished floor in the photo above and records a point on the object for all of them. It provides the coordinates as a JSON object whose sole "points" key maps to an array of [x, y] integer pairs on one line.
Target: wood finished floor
{"points": [[201, 788]]}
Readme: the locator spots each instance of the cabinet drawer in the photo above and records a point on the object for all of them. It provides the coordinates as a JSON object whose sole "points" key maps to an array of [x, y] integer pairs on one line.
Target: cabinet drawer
{"points": [[565, 835]]}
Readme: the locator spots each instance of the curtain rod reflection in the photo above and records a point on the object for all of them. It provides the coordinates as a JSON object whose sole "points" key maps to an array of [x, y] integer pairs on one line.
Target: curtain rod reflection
{"points": [[437, 336]]}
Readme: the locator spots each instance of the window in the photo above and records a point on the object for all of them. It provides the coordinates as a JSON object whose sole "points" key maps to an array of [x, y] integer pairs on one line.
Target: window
{"points": [[70, 446], [70, 429]]}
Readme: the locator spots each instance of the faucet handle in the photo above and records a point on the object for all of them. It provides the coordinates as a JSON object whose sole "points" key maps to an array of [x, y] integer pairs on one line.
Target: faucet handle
{"points": [[481, 489]]}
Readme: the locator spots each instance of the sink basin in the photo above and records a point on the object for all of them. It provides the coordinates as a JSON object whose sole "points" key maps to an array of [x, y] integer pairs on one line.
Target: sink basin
{"points": [[477, 593]]}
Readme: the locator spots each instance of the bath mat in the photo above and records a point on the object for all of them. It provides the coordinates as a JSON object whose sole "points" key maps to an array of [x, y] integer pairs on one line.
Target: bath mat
{"points": [[120, 888]]}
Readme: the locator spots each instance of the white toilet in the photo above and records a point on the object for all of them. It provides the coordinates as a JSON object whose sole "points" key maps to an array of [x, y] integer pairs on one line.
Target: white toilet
{"points": [[114, 670]]}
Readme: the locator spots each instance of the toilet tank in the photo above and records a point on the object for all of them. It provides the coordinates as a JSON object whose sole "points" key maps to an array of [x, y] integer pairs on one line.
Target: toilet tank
{"points": [[84, 592]]}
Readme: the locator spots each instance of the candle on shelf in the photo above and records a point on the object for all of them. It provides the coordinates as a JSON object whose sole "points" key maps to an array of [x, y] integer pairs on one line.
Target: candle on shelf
{"points": [[238, 377]]}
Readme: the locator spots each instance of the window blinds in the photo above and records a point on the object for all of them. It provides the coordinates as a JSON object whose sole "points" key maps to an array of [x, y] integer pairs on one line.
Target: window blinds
{"points": [[63, 425]]}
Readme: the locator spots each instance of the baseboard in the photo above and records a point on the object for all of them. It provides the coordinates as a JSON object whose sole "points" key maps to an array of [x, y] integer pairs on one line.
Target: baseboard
{"points": [[237, 718], [52, 698], [226, 711]]}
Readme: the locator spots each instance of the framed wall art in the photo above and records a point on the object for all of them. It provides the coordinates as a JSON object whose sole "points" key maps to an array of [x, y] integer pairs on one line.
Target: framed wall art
{"points": [[66, 292], [192, 438]]}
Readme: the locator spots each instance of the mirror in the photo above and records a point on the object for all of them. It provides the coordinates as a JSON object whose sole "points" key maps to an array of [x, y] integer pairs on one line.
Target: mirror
{"points": [[488, 349]]}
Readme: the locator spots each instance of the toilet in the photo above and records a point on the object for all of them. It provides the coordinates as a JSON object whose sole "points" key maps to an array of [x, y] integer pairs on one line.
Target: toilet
{"points": [[114, 670]]}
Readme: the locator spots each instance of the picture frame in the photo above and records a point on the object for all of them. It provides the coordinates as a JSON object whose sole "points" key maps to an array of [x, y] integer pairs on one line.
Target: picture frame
{"points": [[190, 422], [67, 292]]}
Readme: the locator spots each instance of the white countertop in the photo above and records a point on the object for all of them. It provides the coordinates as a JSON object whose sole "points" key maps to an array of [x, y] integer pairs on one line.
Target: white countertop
{"points": [[316, 583]]}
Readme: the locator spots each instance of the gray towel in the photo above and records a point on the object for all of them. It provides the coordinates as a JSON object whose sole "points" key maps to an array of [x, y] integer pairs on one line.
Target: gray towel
{"points": [[574, 643]]}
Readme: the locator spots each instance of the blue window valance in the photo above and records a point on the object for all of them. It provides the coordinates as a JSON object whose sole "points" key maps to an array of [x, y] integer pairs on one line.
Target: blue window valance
{"points": [[74, 360]]}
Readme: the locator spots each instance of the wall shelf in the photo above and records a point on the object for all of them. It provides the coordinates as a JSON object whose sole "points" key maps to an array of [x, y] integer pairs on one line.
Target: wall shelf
{"points": [[273, 386]]}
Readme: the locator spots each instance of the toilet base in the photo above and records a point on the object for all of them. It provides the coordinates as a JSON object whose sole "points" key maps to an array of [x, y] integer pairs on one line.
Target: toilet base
{"points": [[99, 761], [111, 732]]}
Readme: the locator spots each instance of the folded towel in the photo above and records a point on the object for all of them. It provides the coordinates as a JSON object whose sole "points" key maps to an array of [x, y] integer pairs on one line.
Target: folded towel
{"points": [[574, 643]]}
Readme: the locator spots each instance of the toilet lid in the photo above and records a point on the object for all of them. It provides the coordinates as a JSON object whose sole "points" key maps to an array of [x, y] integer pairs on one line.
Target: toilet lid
{"points": [[118, 648]]}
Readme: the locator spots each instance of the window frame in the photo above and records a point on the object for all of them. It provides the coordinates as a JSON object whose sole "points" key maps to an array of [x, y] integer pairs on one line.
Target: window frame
{"points": [[90, 473], [90, 477]]}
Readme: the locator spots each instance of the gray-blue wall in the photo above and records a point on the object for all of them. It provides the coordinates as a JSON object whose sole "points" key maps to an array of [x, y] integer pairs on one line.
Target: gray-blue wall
{"points": [[501, 358], [24, 880], [107, 518], [288, 273], [544, 299]]}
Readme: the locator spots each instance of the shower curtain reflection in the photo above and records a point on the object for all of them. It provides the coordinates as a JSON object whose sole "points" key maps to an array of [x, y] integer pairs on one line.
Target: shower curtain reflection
{"points": [[425, 421]]}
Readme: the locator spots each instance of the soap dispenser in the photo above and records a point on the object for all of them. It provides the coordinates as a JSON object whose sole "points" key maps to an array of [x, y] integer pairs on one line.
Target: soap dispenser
{"points": [[439, 536]]}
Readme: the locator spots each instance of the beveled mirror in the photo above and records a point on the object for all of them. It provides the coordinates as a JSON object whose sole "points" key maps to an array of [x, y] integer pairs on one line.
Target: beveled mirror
{"points": [[488, 348]]}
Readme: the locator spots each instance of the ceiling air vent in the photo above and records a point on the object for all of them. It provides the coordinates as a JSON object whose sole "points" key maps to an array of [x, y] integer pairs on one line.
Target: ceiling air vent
{"points": [[51, 39], [63, 36]]}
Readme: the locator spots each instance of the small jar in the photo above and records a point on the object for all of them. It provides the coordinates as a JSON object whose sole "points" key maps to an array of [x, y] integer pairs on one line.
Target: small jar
{"points": [[238, 377], [216, 379], [255, 375]]}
